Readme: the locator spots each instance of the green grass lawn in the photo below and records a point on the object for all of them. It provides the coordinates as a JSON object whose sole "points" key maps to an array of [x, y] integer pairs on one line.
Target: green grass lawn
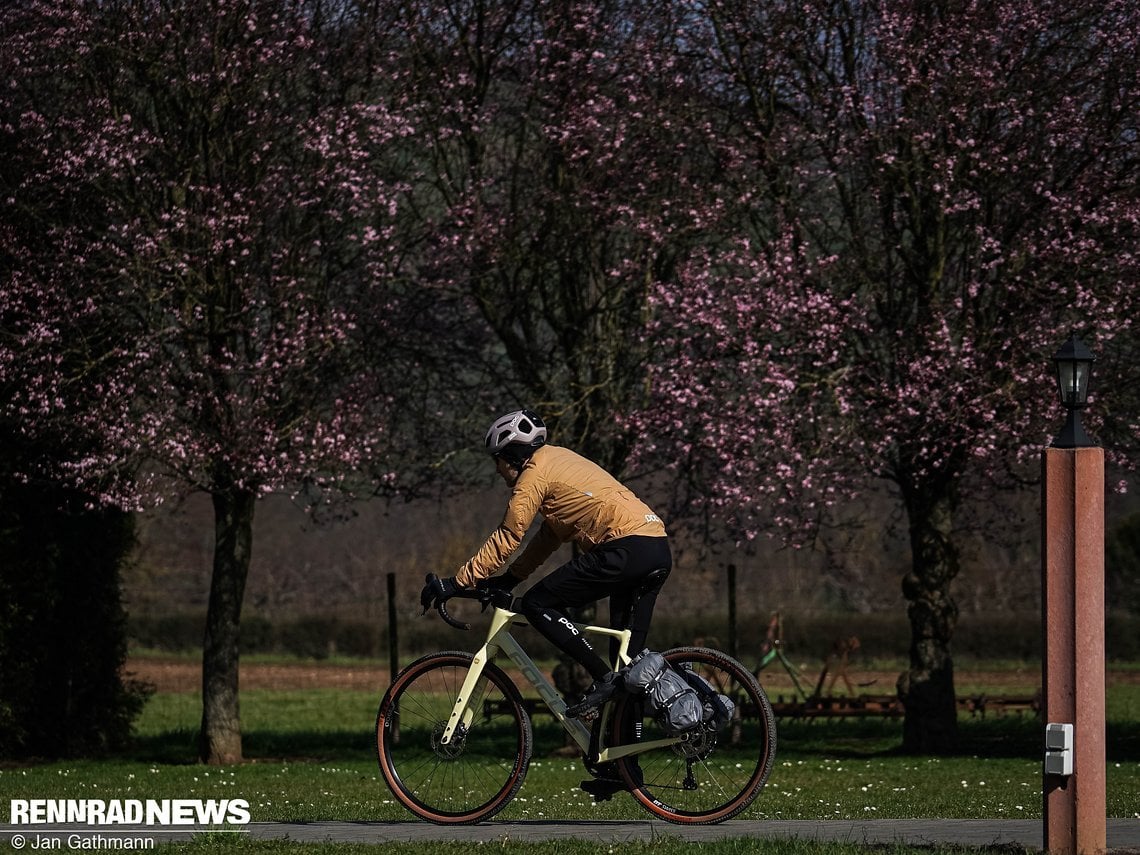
{"points": [[310, 756]]}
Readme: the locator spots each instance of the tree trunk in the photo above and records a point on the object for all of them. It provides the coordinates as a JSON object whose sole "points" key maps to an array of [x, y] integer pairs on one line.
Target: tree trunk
{"points": [[927, 688], [220, 737]]}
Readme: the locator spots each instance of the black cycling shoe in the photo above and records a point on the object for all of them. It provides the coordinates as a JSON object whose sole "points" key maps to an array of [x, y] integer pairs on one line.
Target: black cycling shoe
{"points": [[598, 694], [603, 791]]}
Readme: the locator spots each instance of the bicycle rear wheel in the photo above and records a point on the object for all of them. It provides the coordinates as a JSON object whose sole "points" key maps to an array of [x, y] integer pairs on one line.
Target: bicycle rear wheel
{"points": [[481, 768], [712, 775]]}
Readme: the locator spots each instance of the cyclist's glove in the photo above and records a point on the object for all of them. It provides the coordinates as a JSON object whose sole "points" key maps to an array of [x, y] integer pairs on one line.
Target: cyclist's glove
{"points": [[503, 582], [438, 591]]}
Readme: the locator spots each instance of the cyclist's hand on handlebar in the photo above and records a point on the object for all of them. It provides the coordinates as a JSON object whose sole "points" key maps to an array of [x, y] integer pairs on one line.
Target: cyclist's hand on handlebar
{"points": [[496, 590], [438, 591], [503, 582]]}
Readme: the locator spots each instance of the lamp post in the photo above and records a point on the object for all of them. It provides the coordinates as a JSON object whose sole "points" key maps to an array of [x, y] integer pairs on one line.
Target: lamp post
{"points": [[1074, 370], [1072, 557]]}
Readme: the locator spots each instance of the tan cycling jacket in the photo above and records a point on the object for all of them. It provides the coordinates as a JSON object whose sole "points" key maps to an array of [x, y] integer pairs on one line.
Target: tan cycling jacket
{"points": [[578, 501]]}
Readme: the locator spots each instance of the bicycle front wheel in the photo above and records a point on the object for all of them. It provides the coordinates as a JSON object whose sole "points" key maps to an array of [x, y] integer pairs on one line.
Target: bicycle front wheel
{"points": [[480, 769], [711, 775]]}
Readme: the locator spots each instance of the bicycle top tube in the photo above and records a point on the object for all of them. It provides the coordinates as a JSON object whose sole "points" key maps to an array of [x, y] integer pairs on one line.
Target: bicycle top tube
{"points": [[503, 618]]}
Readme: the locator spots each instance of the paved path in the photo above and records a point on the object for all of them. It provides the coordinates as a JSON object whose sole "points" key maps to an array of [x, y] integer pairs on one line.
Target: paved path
{"points": [[1123, 834]]}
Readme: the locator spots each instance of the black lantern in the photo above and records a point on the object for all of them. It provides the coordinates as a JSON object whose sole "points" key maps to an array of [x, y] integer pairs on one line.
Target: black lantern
{"points": [[1074, 366]]}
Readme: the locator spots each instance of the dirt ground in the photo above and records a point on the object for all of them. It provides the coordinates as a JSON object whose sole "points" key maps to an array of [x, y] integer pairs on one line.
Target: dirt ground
{"points": [[180, 675]]}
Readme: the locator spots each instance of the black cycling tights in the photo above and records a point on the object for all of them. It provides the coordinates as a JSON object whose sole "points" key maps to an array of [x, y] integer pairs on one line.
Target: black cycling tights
{"points": [[613, 569]]}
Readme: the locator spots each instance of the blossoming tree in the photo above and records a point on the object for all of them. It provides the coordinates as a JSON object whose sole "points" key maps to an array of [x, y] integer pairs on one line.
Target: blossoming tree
{"points": [[924, 200], [244, 239], [203, 265], [554, 195]]}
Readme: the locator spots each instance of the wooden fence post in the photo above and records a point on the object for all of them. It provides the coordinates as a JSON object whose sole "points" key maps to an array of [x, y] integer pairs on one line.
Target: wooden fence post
{"points": [[393, 630], [732, 610]]}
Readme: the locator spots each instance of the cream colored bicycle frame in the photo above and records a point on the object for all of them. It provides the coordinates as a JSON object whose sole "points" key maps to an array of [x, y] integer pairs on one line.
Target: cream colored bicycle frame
{"points": [[500, 640]]}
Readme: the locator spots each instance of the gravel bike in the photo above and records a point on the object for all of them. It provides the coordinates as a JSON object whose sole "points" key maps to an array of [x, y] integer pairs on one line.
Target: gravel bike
{"points": [[454, 738]]}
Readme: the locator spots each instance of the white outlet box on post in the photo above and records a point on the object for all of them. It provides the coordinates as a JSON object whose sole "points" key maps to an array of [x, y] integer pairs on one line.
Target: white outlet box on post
{"points": [[1058, 749]]}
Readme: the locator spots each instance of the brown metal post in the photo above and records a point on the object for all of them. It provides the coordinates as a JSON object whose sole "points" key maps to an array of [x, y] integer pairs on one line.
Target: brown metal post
{"points": [[1073, 663]]}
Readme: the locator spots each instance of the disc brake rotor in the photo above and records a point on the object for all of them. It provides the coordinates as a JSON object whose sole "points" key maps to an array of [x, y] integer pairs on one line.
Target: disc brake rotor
{"points": [[452, 749]]}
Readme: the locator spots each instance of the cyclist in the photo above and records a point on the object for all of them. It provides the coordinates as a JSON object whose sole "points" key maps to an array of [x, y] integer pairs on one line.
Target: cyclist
{"points": [[621, 542]]}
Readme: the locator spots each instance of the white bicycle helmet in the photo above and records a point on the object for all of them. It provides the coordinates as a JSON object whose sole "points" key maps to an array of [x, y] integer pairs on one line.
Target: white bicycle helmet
{"points": [[522, 428]]}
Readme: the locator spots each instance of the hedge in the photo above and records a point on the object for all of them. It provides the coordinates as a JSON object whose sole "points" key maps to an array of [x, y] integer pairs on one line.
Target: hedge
{"points": [[807, 638]]}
